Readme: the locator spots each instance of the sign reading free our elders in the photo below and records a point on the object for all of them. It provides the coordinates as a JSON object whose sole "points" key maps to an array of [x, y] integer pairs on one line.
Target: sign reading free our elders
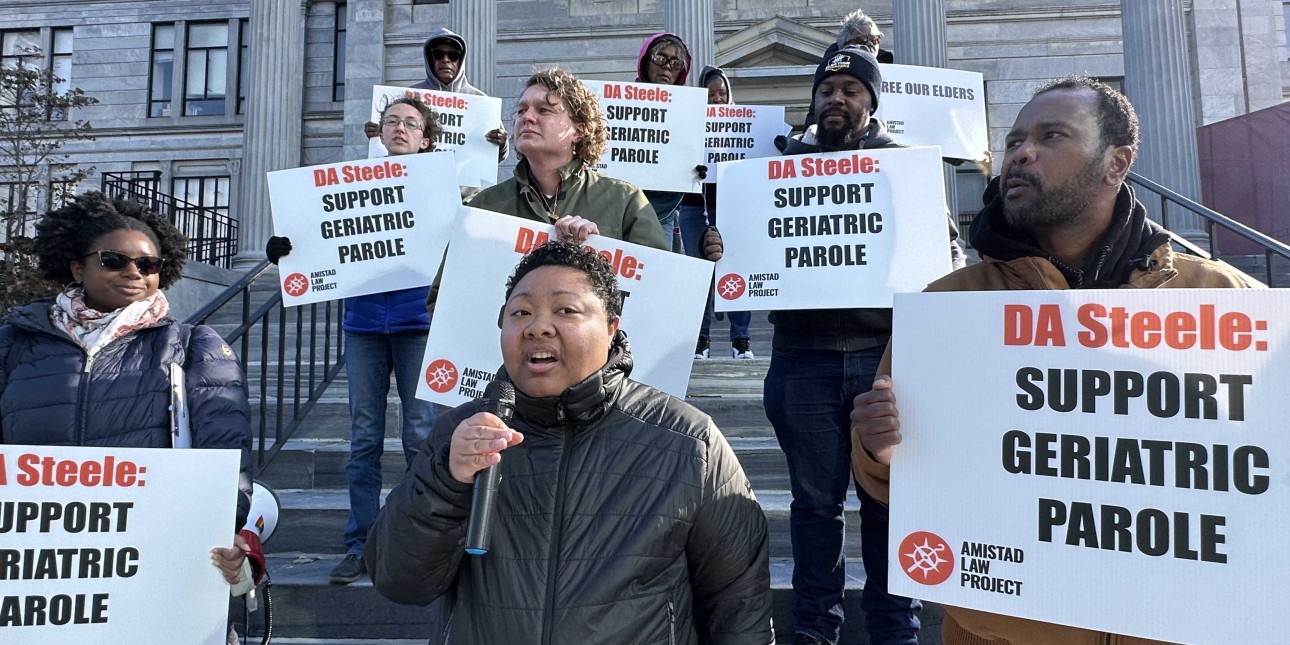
{"points": [[1119, 458], [360, 227], [828, 231], [112, 545], [933, 106]]}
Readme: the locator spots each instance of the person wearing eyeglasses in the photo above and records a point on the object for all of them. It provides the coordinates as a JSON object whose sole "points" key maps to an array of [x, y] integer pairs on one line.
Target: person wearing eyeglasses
{"points": [[665, 60], [384, 333], [91, 366], [860, 31], [445, 58]]}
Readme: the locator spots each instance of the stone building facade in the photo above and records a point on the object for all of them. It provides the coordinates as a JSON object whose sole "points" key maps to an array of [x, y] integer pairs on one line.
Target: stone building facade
{"points": [[172, 76]]}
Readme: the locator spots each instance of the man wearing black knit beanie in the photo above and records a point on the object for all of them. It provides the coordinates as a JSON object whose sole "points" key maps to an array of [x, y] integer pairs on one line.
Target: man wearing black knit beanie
{"points": [[821, 359]]}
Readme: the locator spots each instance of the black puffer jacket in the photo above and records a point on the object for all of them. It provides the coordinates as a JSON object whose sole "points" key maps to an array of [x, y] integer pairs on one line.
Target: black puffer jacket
{"points": [[49, 398], [623, 517]]}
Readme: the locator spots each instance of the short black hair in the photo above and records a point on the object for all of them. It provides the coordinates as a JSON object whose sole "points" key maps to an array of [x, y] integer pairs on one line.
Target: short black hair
{"points": [[600, 275], [66, 234], [431, 128], [1116, 117]]}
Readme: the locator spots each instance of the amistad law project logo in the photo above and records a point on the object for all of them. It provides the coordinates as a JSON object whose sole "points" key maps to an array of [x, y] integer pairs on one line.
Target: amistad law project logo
{"points": [[926, 558], [441, 375], [731, 286], [296, 285]]}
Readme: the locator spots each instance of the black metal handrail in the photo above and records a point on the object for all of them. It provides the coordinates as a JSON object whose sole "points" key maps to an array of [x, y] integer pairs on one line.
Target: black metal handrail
{"points": [[212, 235], [292, 383], [1214, 221]]}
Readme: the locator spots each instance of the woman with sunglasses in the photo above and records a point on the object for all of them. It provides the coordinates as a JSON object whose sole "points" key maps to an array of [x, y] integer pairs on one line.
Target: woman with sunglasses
{"points": [[91, 367]]}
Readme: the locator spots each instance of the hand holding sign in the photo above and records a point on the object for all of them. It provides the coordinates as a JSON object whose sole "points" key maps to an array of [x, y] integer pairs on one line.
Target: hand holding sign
{"points": [[875, 422]]}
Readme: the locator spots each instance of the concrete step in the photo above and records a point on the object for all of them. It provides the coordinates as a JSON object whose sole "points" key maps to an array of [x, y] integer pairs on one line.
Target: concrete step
{"points": [[306, 606], [313, 521], [311, 463]]}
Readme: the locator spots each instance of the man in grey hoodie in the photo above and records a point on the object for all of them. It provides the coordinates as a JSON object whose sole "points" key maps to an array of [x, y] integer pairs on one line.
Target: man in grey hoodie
{"points": [[445, 58]]}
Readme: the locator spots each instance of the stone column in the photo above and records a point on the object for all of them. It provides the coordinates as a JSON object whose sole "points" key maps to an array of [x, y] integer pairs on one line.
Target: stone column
{"points": [[476, 21], [364, 67], [918, 27], [693, 21], [274, 103], [1158, 82]]}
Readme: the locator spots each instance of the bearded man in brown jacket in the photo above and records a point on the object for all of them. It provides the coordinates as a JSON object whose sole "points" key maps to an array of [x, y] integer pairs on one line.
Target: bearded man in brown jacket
{"points": [[1060, 216]]}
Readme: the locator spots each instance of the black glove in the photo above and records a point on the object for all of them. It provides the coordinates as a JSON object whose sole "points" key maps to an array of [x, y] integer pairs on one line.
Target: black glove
{"points": [[277, 247], [702, 171]]}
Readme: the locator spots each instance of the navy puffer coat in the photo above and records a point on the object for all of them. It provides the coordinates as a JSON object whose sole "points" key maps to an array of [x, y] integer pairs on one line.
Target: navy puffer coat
{"points": [[48, 395]]}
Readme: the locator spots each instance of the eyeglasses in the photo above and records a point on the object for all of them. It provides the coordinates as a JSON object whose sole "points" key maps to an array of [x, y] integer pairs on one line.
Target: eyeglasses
{"points": [[117, 261], [453, 55], [667, 62], [865, 41], [410, 123]]}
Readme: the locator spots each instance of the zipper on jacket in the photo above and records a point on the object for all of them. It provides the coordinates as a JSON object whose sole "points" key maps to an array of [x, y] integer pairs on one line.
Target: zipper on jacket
{"points": [[548, 619], [82, 398], [671, 623]]}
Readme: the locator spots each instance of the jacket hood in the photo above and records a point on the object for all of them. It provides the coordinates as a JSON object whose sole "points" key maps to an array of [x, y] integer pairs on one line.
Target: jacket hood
{"points": [[33, 316], [584, 402], [642, 58], [1129, 241], [706, 75], [433, 81]]}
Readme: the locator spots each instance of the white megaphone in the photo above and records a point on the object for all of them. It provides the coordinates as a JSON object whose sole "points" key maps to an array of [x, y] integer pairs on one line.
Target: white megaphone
{"points": [[263, 516]]}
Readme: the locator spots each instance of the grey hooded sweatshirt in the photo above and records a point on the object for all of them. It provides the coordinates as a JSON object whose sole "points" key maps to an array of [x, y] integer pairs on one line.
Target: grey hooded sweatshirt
{"points": [[458, 85]]}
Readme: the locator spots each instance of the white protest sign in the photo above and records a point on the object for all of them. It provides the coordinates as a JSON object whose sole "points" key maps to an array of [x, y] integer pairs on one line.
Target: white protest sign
{"points": [[655, 133], [737, 132], [1113, 452], [664, 291], [828, 231], [360, 227], [100, 543], [465, 119], [934, 106]]}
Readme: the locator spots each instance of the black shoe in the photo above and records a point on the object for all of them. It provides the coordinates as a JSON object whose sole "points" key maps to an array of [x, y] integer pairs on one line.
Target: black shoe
{"points": [[701, 349], [349, 570]]}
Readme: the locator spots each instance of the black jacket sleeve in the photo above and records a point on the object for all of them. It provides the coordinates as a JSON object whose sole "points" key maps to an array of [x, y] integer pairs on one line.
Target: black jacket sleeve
{"points": [[729, 556], [415, 547], [218, 409]]}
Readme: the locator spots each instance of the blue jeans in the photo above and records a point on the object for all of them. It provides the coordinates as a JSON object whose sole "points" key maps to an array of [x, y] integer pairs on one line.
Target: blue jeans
{"points": [[808, 395], [369, 359], [693, 222]]}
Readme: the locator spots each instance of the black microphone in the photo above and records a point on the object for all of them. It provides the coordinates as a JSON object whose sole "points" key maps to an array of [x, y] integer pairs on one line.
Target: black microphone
{"points": [[499, 399]]}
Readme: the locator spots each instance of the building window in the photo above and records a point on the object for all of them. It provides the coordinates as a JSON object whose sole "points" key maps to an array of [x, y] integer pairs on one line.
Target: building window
{"points": [[11, 203], [243, 61], [60, 68], [206, 68], [19, 47], [60, 193], [338, 55], [163, 70], [207, 192], [1116, 82]]}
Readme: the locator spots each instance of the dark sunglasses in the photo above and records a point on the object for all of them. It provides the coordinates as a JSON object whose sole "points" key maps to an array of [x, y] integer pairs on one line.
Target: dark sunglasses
{"points": [[667, 62], [452, 55], [117, 261]]}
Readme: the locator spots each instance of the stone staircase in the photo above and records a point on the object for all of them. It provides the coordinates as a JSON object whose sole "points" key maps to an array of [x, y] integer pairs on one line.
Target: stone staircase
{"points": [[309, 476]]}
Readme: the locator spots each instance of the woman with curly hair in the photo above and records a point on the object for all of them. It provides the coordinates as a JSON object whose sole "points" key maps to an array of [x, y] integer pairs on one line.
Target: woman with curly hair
{"points": [[91, 367], [560, 133]]}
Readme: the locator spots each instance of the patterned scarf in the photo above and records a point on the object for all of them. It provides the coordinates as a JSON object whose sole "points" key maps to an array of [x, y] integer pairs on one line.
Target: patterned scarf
{"points": [[93, 329]]}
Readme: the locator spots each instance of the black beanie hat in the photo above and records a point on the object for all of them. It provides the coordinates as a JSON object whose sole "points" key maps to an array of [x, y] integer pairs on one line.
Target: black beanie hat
{"points": [[855, 62]]}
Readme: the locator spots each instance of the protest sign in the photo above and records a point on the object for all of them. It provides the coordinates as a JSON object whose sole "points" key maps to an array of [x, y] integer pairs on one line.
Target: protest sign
{"points": [[934, 106], [101, 544], [466, 119], [1104, 456], [661, 306], [737, 132], [360, 227], [827, 231], [655, 133]]}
